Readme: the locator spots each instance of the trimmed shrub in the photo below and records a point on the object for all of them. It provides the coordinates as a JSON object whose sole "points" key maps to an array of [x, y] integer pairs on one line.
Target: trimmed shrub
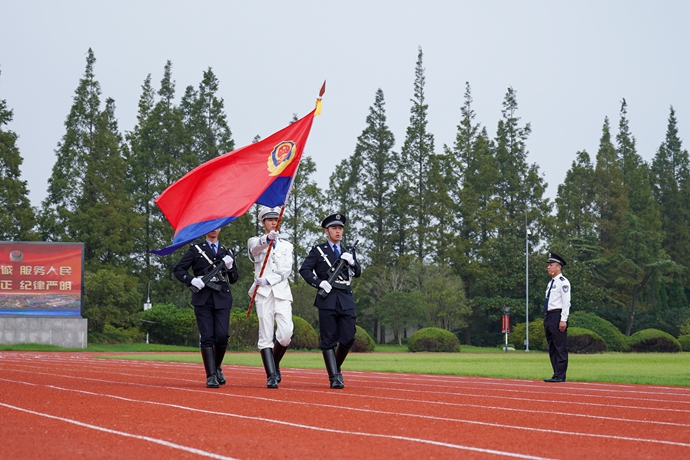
{"points": [[537, 339], [684, 341], [653, 340], [111, 335], [363, 341], [584, 341], [244, 332], [614, 338], [304, 337], [433, 339], [170, 325]]}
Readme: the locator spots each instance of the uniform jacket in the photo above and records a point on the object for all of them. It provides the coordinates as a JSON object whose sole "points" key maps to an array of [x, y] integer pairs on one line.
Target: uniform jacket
{"points": [[315, 269], [198, 263], [560, 296], [278, 266]]}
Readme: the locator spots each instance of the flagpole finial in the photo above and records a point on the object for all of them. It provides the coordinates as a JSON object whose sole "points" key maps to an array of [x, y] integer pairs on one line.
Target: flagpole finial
{"points": [[318, 99]]}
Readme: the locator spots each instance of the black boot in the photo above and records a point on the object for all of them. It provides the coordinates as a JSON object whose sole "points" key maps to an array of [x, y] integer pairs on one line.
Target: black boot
{"points": [[220, 354], [210, 366], [269, 365], [334, 376], [340, 355], [278, 352]]}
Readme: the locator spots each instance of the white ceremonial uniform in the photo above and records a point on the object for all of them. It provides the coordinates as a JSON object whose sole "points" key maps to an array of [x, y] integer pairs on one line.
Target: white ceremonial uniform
{"points": [[559, 299], [273, 302]]}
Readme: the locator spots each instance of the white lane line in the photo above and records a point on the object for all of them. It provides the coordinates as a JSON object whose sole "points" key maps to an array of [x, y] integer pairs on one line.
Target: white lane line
{"points": [[121, 433], [498, 408], [258, 419], [373, 411], [523, 386], [424, 392], [379, 412], [464, 394], [550, 401], [365, 376]]}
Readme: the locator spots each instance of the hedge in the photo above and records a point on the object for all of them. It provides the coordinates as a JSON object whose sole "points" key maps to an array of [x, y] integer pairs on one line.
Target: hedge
{"points": [[433, 339], [244, 333], [649, 340], [584, 341], [170, 325], [363, 341], [537, 339], [614, 338], [304, 337], [684, 341]]}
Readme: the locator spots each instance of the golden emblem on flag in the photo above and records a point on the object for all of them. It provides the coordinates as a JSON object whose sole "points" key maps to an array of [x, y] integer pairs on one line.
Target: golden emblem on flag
{"points": [[280, 157]]}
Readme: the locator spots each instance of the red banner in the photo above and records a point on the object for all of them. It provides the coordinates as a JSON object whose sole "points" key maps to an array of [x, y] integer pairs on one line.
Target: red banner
{"points": [[41, 278], [505, 326]]}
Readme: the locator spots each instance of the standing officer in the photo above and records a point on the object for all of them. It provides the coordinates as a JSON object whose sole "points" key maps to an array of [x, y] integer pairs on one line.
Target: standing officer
{"points": [[556, 311], [273, 296], [337, 308], [211, 306]]}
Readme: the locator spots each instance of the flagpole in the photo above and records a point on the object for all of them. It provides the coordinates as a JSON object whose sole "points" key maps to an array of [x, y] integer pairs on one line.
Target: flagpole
{"points": [[282, 209]]}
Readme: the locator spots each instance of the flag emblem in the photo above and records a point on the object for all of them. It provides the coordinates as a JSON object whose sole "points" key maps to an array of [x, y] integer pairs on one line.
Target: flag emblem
{"points": [[280, 157]]}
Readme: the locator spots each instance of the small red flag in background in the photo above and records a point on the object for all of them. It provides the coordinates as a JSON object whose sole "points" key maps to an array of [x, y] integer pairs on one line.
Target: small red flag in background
{"points": [[219, 191]]}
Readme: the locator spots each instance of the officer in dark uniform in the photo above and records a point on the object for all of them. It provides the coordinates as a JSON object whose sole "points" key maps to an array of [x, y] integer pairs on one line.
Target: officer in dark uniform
{"points": [[556, 311], [211, 307], [337, 308]]}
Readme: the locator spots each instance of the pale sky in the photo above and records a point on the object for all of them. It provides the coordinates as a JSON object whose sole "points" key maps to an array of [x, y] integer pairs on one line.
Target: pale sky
{"points": [[571, 64]]}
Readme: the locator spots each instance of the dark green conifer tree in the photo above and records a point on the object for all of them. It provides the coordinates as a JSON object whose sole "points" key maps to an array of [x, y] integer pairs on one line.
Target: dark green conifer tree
{"points": [[413, 199], [205, 119], [304, 212], [576, 199], [65, 186], [17, 221], [377, 178], [105, 219], [671, 186], [636, 175], [612, 202]]}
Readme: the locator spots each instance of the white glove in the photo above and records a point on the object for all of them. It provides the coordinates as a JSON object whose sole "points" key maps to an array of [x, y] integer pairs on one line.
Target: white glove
{"points": [[228, 262], [325, 285], [273, 235], [262, 282], [197, 283], [348, 257]]}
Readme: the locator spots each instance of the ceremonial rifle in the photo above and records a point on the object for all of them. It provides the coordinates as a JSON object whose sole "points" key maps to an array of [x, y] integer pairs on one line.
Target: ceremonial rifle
{"points": [[336, 269], [212, 271]]}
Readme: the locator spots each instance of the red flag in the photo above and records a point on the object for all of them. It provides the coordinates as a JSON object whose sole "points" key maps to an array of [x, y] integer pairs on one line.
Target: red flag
{"points": [[224, 188]]}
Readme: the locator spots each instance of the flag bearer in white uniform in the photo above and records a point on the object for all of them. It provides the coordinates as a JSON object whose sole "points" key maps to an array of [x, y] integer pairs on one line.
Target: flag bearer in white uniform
{"points": [[273, 297]]}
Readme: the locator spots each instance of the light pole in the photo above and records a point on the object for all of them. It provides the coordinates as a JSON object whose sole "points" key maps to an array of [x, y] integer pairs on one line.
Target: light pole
{"points": [[527, 233], [506, 324], [147, 306]]}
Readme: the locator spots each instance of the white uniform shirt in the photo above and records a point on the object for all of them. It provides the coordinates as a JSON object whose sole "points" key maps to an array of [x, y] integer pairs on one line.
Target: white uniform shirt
{"points": [[560, 296], [277, 269]]}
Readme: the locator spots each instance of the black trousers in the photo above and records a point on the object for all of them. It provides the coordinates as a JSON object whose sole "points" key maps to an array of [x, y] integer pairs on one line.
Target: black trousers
{"points": [[213, 323], [558, 341], [337, 326]]}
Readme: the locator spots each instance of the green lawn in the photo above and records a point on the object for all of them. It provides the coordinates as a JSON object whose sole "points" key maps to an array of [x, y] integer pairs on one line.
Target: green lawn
{"points": [[644, 368]]}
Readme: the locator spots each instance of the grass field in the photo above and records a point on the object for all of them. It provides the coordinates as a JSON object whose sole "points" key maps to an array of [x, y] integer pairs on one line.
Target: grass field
{"points": [[643, 368]]}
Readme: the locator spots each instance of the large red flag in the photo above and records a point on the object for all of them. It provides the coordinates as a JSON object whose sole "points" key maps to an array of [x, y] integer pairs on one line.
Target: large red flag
{"points": [[224, 188]]}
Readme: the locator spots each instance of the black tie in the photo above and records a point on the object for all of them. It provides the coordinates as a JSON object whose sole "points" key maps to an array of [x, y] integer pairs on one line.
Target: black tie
{"points": [[213, 248], [335, 250], [548, 294]]}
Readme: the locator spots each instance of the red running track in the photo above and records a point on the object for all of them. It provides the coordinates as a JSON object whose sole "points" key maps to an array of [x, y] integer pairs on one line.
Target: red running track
{"points": [[65, 406]]}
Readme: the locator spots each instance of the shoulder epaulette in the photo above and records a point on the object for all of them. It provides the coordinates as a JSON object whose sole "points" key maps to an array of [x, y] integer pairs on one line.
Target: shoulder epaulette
{"points": [[562, 278]]}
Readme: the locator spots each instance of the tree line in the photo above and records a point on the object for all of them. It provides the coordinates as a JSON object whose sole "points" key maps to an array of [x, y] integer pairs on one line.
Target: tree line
{"points": [[445, 234]]}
